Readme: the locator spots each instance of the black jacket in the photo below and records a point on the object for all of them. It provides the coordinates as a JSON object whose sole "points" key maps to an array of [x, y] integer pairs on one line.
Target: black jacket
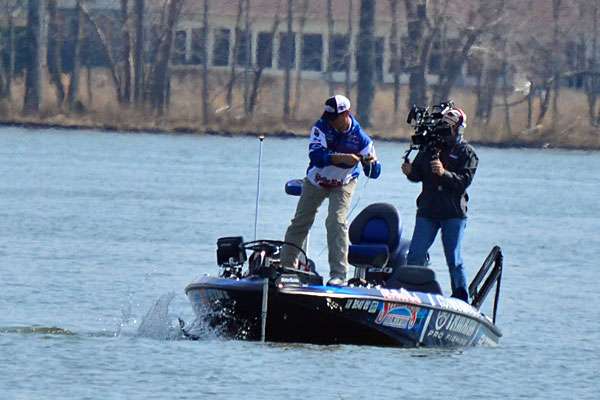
{"points": [[445, 196]]}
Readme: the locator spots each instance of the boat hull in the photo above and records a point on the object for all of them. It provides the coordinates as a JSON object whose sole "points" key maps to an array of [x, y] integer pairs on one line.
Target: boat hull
{"points": [[329, 315]]}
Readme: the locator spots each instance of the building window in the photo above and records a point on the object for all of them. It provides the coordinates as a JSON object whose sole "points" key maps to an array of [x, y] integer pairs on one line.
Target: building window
{"points": [[312, 51], [339, 52], [221, 47], [244, 47], [198, 46], [179, 47], [264, 50], [287, 50]]}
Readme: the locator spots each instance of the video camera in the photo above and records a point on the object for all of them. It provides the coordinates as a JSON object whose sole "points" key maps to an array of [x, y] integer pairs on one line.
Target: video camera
{"points": [[430, 130]]}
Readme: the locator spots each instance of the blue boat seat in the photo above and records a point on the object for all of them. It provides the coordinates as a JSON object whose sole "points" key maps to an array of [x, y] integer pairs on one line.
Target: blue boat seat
{"points": [[368, 255], [375, 237], [414, 278]]}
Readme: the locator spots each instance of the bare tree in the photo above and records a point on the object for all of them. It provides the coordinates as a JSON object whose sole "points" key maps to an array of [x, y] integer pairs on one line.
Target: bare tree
{"points": [[33, 81], [420, 35], [138, 54], [248, 58], [159, 79], [299, 62], [289, 56], [484, 18], [76, 71], [350, 52], [395, 54], [56, 37], [261, 62], [331, 27], [366, 61], [591, 78], [126, 55], [557, 59], [236, 49], [107, 48], [10, 7], [205, 84]]}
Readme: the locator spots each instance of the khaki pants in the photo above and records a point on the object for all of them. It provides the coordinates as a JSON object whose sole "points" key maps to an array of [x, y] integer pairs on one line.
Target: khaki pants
{"points": [[336, 224]]}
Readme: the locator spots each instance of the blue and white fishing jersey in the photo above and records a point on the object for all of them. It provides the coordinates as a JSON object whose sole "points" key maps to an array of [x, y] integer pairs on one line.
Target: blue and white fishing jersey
{"points": [[326, 141]]}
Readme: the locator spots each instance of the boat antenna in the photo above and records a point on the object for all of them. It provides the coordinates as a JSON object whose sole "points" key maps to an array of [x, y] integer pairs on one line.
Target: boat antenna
{"points": [[261, 138]]}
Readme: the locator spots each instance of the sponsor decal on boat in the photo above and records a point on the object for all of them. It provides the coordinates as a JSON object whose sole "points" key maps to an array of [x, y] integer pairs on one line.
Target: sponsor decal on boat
{"points": [[455, 323], [397, 316], [362, 305], [453, 328], [452, 304], [400, 295]]}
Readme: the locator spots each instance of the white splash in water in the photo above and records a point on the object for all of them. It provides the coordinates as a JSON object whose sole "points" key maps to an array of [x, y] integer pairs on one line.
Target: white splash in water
{"points": [[157, 323]]}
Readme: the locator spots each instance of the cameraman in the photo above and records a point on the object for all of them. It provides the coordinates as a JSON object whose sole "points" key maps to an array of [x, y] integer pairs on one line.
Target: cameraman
{"points": [[445, 173]]}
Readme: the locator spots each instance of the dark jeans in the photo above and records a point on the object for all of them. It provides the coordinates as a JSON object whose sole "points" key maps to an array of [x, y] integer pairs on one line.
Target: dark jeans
{"points": [[453, 230]]}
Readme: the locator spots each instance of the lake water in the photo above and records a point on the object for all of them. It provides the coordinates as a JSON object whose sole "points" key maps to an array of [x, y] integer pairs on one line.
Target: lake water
{"points": [[96, 227]]}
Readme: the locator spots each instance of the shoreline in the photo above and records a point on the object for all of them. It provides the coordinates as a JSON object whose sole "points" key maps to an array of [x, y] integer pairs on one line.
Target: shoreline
{"points": [[282, 134]]}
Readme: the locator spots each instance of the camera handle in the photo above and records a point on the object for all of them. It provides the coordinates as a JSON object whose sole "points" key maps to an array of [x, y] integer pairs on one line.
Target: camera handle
{"points": [[407, 153]]}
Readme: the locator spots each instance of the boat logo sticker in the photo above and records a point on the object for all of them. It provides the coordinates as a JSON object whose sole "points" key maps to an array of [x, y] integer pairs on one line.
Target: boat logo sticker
{"points": [[364, 305], [397, 316]]}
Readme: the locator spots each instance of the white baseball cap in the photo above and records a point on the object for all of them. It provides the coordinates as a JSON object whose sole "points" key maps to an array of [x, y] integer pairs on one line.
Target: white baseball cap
{"points": [[336, 105]]}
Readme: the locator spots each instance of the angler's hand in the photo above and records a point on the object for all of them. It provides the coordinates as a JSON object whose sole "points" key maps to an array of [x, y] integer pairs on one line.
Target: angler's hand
{"points": [[437, 167], [345, 159], [407, 168], [368, 159]]}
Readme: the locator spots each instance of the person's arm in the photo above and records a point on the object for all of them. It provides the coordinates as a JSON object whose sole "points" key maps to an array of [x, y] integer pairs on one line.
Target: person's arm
{"points": [[415, 174], [370, 163], [317, 149], [461, 179]]}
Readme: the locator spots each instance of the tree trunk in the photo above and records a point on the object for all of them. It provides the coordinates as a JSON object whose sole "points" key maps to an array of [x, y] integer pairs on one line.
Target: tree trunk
{"points": [[11, 56], [590, 84], [205, 87], [530, 95], [138, 55], [287, 74], [248, 59], [505, 91], [556, 61], [106, 46], [298, 91], [159, 89], [55, 40], [90, 86], [330, 26], [417, 50], [395, 51], [544, 98], [125, 88], [72, 95], [236, 45], [350, 52], [260, 65], [33, 79], [366, 61], [454, 66]]}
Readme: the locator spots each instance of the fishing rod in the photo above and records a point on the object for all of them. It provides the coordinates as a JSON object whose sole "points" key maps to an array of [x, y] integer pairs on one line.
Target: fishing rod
{"points": [[261, 138]]}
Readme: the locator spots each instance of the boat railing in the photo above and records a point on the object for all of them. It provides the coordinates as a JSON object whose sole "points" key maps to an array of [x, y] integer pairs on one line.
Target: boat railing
{"points": [[490, 274]]}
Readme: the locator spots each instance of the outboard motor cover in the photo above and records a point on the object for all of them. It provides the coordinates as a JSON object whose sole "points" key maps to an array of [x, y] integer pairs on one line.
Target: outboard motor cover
{"points": [[229, 252]]}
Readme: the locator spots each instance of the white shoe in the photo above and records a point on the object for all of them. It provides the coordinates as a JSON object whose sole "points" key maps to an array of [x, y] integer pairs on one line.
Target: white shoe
{"points": [[336, 281]]}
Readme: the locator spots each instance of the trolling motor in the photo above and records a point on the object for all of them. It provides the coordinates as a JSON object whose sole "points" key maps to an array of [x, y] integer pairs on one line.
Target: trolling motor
{"points": [[430, 131]]}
